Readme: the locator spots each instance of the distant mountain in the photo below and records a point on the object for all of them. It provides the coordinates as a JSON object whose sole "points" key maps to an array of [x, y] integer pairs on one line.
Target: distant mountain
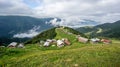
{"points": [[11, 25], [87, 22], [56, 33], [104, 30]]}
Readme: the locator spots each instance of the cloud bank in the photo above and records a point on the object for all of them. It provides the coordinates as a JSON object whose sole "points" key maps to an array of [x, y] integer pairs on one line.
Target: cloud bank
{"points": [[29, 34], [77, 22], [98, 10]]}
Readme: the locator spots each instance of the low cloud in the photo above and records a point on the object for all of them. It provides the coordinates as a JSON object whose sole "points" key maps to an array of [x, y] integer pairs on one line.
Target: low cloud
{"points": [[29, 34], [73, 22]]}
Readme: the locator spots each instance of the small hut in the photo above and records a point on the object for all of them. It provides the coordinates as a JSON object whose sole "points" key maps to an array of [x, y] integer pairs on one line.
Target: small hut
{"points": [[53, 42], [21, 45], [106, 41], [66, 41], [50, 40], [82, 39], [60, 43], [12, 45], [94, 40], [46, 44]]}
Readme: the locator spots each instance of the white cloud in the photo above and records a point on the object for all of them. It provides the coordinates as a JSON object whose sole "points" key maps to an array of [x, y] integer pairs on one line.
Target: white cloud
{"points": [[84, 9], [97, 10], [73, 22], [31, 33], [14, 7]]}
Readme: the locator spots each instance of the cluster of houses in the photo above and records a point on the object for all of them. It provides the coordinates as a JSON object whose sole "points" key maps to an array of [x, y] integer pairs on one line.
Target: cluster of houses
{"points": [[65, 41], [60, 43], [16, 45], [93, 40]]}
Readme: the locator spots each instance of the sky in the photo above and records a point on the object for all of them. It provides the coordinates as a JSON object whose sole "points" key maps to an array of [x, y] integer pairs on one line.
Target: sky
{"points": [[102, 11]]}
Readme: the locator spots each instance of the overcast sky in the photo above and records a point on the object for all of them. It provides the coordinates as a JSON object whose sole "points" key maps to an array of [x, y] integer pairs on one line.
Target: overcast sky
{"points": [[97, 10]]}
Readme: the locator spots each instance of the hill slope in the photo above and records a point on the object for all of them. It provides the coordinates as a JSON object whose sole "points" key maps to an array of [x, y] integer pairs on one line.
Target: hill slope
{"points": [[57, 33], [76, 55], [104, 30]]}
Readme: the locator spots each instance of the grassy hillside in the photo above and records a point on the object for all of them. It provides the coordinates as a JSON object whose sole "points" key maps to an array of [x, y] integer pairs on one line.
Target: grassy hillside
{"points": [[76, 55], [57, 33], [62, 34]]}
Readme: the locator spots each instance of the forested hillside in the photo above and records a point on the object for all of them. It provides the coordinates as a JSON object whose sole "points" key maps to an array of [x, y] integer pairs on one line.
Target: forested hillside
{"points": [[110, 30]]}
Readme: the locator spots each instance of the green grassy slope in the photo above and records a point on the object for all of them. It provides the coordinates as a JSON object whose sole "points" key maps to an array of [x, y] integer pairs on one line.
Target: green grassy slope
{"points": [[85, 55], [55, 33], [75, 55], [63, 33]]}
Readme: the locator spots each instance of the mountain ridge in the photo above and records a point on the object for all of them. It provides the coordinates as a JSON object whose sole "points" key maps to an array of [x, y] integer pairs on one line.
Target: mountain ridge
{"points": [[110, 30]]}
